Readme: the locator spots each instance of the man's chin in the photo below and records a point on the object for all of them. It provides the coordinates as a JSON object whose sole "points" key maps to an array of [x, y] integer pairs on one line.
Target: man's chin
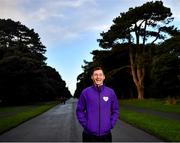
{"points": [[98, 84]]}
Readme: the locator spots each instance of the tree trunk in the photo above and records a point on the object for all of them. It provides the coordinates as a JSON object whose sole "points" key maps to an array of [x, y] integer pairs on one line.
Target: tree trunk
{"points": [[138, 76], [140, 90]]}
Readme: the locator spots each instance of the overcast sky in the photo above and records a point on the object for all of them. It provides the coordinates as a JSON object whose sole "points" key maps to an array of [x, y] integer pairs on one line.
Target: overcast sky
{"points": [[70, 28]]}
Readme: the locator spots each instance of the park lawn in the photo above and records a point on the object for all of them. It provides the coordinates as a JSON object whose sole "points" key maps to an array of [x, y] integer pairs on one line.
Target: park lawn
{"points": [[154, 104], [165, 129], [13, 116]]}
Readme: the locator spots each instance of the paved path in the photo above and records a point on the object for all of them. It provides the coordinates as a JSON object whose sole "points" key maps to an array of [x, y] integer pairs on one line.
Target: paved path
{"points": [[59, 124]]}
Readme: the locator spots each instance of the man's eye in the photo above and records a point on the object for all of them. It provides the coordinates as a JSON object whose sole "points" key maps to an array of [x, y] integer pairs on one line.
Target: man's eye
{"points": [[98, 74]]}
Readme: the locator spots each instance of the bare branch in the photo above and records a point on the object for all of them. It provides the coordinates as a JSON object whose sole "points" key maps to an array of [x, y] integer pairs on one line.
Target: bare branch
{"points": [[156, 37], [144, 39]]}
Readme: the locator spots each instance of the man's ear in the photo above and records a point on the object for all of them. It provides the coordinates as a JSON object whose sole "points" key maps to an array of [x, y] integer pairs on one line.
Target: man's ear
{"points": [[92, 77], [104, 77]]}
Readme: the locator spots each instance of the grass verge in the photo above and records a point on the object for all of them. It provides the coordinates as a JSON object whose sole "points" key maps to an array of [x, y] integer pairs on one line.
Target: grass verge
{"points": [[155, 104], [165, 129], [12, 116]]}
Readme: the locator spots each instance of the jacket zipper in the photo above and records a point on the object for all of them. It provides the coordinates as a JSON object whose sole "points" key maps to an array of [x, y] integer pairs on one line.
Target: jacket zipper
{"points": [[99, 111]]}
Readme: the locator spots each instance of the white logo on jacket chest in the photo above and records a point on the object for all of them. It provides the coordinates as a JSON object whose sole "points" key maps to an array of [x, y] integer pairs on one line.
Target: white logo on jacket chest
{"points": [[105, 98]]}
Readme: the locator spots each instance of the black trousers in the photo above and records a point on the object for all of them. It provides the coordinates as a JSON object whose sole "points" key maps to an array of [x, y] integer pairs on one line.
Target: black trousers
{"points": [[93, 138]]}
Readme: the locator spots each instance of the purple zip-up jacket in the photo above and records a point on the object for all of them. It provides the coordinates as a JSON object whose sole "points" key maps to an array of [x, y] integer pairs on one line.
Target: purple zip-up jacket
{"points": [[97, 110]]}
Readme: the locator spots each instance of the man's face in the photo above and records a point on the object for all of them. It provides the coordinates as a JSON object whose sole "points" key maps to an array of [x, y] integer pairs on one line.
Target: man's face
{"points": [[98, 77]]}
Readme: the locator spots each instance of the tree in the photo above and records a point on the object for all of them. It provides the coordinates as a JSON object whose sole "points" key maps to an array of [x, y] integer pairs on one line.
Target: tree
{"points": [[165, 67], [139, 28], [20, 40], [24, 75]]}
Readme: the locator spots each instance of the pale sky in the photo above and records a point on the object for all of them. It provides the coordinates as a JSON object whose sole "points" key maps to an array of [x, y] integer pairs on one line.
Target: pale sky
{"points": [[70, 28]]}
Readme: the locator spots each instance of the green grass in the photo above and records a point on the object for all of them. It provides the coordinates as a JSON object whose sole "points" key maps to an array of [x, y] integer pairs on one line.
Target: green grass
{"points": [[12, 116], [168, 130], [155, 104]]}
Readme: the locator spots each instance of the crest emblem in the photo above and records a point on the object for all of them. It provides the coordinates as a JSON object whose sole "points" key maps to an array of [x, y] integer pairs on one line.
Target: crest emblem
{"points": [[105, 98]]}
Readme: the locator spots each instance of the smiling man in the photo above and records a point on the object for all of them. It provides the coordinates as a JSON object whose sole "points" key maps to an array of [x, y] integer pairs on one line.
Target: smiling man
{"points": [[97, 109]]}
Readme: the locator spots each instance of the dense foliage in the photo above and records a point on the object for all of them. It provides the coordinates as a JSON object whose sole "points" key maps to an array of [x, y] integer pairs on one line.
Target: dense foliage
{"points": [[24, 75]]}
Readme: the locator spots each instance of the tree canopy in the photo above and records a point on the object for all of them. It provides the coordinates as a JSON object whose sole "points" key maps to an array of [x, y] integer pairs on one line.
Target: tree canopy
{"points": [[139, 28], [25, 77]]}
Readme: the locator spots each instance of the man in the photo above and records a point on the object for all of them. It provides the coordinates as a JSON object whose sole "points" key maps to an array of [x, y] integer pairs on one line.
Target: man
{"points": [[97, 109]]}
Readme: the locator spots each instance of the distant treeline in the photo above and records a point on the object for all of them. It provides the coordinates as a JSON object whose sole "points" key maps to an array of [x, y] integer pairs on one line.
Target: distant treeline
{"points": [[24, 75], [141, 56]]}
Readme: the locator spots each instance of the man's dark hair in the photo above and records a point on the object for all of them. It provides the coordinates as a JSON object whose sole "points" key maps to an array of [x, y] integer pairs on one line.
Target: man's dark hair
{"points": [[95, 69]]}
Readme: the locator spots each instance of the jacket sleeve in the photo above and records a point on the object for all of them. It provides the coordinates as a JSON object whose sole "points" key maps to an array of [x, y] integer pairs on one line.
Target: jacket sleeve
{"points": [[81, 110], [114, 109]]}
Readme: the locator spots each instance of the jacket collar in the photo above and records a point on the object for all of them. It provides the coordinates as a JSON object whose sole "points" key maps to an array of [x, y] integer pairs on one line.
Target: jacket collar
{"points": [[98, 88]]}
